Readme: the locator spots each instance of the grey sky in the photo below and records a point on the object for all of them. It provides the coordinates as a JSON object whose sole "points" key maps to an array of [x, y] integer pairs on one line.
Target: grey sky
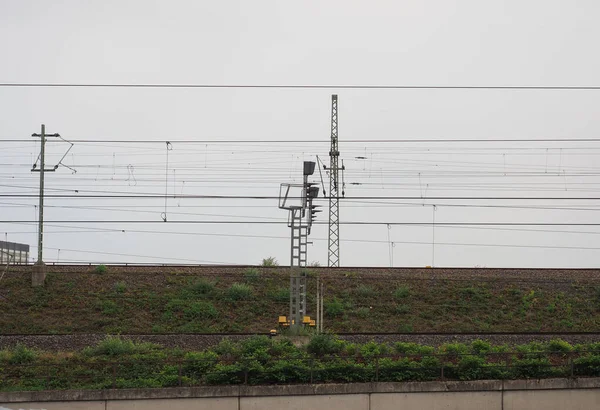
{"points": [[311, 42]]}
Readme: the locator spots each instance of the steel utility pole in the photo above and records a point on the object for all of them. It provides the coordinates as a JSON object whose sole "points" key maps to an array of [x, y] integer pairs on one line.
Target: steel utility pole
{"points": [[39, 272], [334, 190]]}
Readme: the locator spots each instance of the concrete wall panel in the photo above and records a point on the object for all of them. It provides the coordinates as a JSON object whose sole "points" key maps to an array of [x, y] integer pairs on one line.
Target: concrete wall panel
{"points": [[324, 402], [437, 401], [210, 403], [54, 405], [580, 399]]}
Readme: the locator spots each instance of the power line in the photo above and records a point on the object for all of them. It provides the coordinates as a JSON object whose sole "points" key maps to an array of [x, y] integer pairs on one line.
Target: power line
{"points": [[77, 229], [242, 222], [306, 86], [270, 197], [321, 142]]}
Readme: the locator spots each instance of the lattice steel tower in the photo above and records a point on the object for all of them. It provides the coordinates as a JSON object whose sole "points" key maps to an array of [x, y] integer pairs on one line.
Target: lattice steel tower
{"points": [[334, 190]]}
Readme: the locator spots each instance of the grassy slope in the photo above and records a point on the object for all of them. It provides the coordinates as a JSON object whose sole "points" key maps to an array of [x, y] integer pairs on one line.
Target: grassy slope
{"points": [[170, 300]]}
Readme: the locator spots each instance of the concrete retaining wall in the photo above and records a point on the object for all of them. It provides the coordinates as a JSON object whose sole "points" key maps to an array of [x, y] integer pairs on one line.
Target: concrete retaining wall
{"points": [[549, 394]]}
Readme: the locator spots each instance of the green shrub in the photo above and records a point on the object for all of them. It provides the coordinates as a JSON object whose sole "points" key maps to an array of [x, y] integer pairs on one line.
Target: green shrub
{"points": [[22, 354], [225, 374], [532, 367], [558, 345], [587, 366], [481, 346], [402, 292], [453, 349], [334, 307], [100, 269], [200, 310], [373, 349], [228, 349], [256, 347], [252, 275], [410, 348], [239, 291], [324, 344], [197, 364]]}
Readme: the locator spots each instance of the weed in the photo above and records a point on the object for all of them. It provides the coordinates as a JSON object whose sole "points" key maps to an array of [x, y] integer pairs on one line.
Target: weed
{"points": [[402, 292], [109, 307], [115, 346], [334, 307], [281, 295], [269, 262], [100, 269], [529, 299], [252, 275], [120, 287], [239, 291], [365, 291], [363, 312], [22, 354], [402, 309], [201, 287], [200, 310], [566, 323], [474, 294], [406, 328]]}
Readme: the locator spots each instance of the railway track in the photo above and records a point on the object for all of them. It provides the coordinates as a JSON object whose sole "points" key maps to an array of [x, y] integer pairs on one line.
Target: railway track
{"points": [[69, 342]]}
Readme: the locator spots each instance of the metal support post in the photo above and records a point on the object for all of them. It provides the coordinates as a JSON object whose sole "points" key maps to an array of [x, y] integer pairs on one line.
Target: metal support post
{"points": [[39, 272], [318, 293]]}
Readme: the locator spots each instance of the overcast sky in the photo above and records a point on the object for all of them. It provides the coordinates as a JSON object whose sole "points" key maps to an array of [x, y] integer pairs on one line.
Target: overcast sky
{"points": [[531, 42]]}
